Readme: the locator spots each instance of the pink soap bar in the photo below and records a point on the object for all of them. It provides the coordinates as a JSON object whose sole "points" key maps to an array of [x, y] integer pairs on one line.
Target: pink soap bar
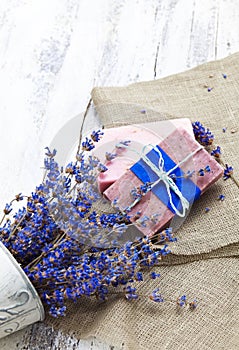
{"points": [[178, 145], [116, 168], [139, 135]]}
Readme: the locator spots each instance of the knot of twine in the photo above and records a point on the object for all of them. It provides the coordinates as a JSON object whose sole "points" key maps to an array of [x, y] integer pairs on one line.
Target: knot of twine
{"points": [[164, 176]]}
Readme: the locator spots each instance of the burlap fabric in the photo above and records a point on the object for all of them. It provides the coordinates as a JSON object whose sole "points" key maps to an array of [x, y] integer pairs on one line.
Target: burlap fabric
{"points": [[204, 263]]}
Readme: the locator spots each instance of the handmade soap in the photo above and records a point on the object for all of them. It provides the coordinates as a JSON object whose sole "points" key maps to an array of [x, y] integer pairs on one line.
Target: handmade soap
{"points": [[139, 135], [181, 148]]}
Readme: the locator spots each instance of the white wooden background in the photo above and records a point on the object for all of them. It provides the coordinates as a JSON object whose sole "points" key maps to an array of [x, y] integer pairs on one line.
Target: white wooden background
{"points": [[52, 52]]}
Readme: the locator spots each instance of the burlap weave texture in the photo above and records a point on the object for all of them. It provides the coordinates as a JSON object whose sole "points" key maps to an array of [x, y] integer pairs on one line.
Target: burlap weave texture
{"points": [[204, 263]]}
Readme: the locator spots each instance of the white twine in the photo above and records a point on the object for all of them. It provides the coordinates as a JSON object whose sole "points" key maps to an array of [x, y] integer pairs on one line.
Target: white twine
{"points": [[167, 180], [164, 176]]}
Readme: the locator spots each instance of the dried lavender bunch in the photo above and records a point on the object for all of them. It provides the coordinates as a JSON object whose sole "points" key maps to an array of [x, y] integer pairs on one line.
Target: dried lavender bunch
{"points": [[205, 137], [69, 249]]}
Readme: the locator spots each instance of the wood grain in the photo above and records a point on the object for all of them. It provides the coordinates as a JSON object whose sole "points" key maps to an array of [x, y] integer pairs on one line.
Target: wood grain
{"points": [[51, 55]]}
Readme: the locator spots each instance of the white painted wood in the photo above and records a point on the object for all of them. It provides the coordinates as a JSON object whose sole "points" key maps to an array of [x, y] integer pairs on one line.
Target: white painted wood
{"points": [[53, 52]]}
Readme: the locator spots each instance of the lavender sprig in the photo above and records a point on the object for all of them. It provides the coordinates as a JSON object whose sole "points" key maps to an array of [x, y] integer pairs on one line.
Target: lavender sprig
{"points": [[205, 137]]}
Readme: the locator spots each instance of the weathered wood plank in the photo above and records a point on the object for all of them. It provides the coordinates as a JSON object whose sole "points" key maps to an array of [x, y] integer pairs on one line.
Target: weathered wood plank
{"points": [[227, 36]]}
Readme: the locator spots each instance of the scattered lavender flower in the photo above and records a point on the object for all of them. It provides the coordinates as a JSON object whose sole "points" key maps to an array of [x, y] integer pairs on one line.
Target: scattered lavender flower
{"points": [[154, 218], [193, 304], [182, 301], [156, 296], [139, 276], [216, 152], [102, 168], [166, 236], [123, 144], [19, 197], [110, 156], [228, 171], [154, 275], [87, 145], [8, 208], [139, 192], [201, 172], [49, 153], [221, 197], [207, 210], [207, 169], [130, 293], [96, 135], [202, 135]]}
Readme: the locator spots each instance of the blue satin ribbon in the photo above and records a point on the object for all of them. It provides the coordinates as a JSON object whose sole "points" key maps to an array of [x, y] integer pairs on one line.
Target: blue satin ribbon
{"points": [[164, 187]]}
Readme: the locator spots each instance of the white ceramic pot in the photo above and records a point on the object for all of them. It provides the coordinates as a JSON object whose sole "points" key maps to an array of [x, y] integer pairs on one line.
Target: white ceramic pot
{"points": [[20, 304]]}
